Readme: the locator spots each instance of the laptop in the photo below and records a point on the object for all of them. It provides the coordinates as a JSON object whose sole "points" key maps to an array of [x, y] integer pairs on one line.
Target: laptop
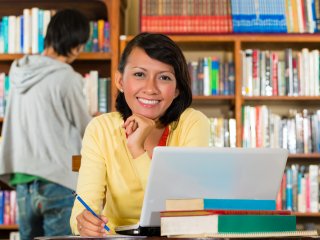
{"points": [[207, 172]]}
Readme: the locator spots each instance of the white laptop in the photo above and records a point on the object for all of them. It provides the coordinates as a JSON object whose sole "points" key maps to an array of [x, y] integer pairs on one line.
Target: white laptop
{"points": [[206, 172]]}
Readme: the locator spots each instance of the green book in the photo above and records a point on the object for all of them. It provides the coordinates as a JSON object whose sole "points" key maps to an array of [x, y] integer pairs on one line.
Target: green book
{"points": [[256, 223], [226, 223]]}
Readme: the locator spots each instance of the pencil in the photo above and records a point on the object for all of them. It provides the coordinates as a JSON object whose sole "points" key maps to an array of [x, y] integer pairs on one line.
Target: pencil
{"points": [[88, 208]]}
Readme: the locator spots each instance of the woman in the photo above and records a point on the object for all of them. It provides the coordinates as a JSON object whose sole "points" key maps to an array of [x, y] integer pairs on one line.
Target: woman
{"points": [[152, 109]]}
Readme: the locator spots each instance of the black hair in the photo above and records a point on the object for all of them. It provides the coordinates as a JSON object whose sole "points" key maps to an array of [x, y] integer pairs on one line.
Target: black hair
{"points": [[161, 48], [67, 30]]}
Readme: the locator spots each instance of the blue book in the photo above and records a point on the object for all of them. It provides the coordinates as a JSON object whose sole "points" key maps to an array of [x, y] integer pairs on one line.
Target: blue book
{"points": [[239, 204], [220, 204], [289, 194], [40, 31], [1, 206], [5, 33]]}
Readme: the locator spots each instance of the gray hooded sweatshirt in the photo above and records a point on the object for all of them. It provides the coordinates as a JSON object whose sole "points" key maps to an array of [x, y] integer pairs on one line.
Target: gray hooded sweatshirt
{"points": [[45, 120]]}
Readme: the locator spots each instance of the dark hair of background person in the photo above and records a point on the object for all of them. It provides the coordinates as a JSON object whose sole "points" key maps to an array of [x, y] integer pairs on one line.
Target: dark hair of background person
{"points": [[67, 30], [163, 49]]}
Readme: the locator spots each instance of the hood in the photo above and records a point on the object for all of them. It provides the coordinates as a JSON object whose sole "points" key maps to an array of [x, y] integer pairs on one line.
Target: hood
{"points": [[30, 70]]}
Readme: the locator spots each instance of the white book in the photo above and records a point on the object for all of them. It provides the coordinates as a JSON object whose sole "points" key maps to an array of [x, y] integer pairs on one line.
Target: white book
{"points": [[93, 92], [35, 30], [206, 78], [300, 74], [310, 21], [2, 77], [315, 87], [249, 85], [265, 126], [46, 20], [18, 35], [302, 196], [306, 72], [11, 34], [300, 17], [14, 236], [233, 132], [27, 31], [314, 187]]}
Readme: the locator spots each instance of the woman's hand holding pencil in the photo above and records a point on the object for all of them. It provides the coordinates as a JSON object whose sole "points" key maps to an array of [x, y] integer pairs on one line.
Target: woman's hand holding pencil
{"points": [[89, 223]]}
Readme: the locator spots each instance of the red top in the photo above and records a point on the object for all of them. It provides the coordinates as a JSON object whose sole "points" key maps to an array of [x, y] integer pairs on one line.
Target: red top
{"points": [[163, 139]]}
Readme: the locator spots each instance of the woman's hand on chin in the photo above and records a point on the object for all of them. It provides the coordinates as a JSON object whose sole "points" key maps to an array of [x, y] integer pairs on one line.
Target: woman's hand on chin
{"points": [[138, 128]]}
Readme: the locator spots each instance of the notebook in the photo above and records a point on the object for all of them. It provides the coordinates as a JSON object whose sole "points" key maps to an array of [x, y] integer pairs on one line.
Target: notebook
{"points": [[207, 172]]}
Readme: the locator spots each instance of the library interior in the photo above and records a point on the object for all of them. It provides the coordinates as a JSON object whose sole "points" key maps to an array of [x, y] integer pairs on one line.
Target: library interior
{"points": [[254, 74]]}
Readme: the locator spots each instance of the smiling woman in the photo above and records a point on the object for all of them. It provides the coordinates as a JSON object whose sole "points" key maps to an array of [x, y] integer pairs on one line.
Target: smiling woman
{"points": [[152, 109]]}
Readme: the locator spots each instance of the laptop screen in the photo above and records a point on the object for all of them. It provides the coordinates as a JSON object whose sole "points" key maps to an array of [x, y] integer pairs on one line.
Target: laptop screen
{"points": [[207, 172]]}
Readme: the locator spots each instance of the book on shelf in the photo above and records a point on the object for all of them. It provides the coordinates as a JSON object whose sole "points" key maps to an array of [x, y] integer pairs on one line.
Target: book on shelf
{"points": [[271, 73], [199, 16], [299, 189], [8, 207], [26, 33], [224, 223], [221, 204], [298, 132], [222, 132]]}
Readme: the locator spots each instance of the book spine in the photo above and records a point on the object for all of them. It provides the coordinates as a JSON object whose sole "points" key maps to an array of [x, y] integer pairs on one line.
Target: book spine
{"points": [[239, 204]]}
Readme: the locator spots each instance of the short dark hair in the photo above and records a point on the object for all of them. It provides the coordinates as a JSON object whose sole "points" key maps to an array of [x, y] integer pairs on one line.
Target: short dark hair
{"points": [[67, 29], [161, 48]]}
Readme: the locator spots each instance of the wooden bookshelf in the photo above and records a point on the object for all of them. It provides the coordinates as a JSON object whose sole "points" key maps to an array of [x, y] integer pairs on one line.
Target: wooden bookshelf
{"points": [[105, 62]]}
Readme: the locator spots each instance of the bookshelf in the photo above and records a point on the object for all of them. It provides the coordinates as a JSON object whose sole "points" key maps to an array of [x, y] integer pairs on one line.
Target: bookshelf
{"points": [[195, 46], [105, 62]]}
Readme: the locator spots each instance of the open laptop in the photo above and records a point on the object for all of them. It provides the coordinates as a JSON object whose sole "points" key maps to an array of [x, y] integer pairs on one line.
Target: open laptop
{"points": [[207, 172]]}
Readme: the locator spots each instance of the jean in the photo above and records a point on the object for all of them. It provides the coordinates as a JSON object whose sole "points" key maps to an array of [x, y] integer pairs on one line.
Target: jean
{"points": [[44, 209]]}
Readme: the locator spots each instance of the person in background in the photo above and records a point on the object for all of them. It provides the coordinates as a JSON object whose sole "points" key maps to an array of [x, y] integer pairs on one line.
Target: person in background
{"points": [[45, 120], [152, 110]]}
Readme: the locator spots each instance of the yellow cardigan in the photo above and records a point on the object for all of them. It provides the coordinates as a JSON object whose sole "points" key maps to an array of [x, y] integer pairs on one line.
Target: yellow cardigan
{"points": [[113, 183]]}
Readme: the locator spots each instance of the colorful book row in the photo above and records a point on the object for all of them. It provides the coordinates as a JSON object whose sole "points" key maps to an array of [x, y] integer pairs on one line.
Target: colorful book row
{"points": [[222, 132], [26, 33], [212, 76], [264, 73], [8, 207], [299, 189], [299, 133], [226, 16]]}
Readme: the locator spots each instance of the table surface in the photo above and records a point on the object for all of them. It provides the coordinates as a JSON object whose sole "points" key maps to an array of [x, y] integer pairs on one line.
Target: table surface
{"points": [[120, 237]]}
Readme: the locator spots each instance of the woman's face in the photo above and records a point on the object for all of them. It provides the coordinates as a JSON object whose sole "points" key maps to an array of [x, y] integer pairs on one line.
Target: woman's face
{"points": [[149, 85]]}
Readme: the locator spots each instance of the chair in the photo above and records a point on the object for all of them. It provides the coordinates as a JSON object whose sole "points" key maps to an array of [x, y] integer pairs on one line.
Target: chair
{"points": [[76, 162]]}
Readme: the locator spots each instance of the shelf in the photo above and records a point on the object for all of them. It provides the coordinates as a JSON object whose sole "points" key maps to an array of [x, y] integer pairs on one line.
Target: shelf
{"points": [[94, 56], [307, 214], [99, 56], [265, 37], [216, 97], [9, 227], [304, 156], [281, 98]]}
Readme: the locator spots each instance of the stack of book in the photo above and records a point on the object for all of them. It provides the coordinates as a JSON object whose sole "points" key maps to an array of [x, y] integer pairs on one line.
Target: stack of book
{"points": [[227, 217]]}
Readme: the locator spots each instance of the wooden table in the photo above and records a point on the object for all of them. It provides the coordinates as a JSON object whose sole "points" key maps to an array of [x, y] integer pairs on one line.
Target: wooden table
{"points": [[121, 237]]}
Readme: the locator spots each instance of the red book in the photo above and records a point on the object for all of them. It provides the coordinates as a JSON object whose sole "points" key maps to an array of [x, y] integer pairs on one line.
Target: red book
{"points": [[223, 212]]}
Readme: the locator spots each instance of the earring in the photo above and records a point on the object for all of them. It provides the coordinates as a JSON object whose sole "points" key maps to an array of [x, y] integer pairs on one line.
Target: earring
{"points": [[121, 90]]}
